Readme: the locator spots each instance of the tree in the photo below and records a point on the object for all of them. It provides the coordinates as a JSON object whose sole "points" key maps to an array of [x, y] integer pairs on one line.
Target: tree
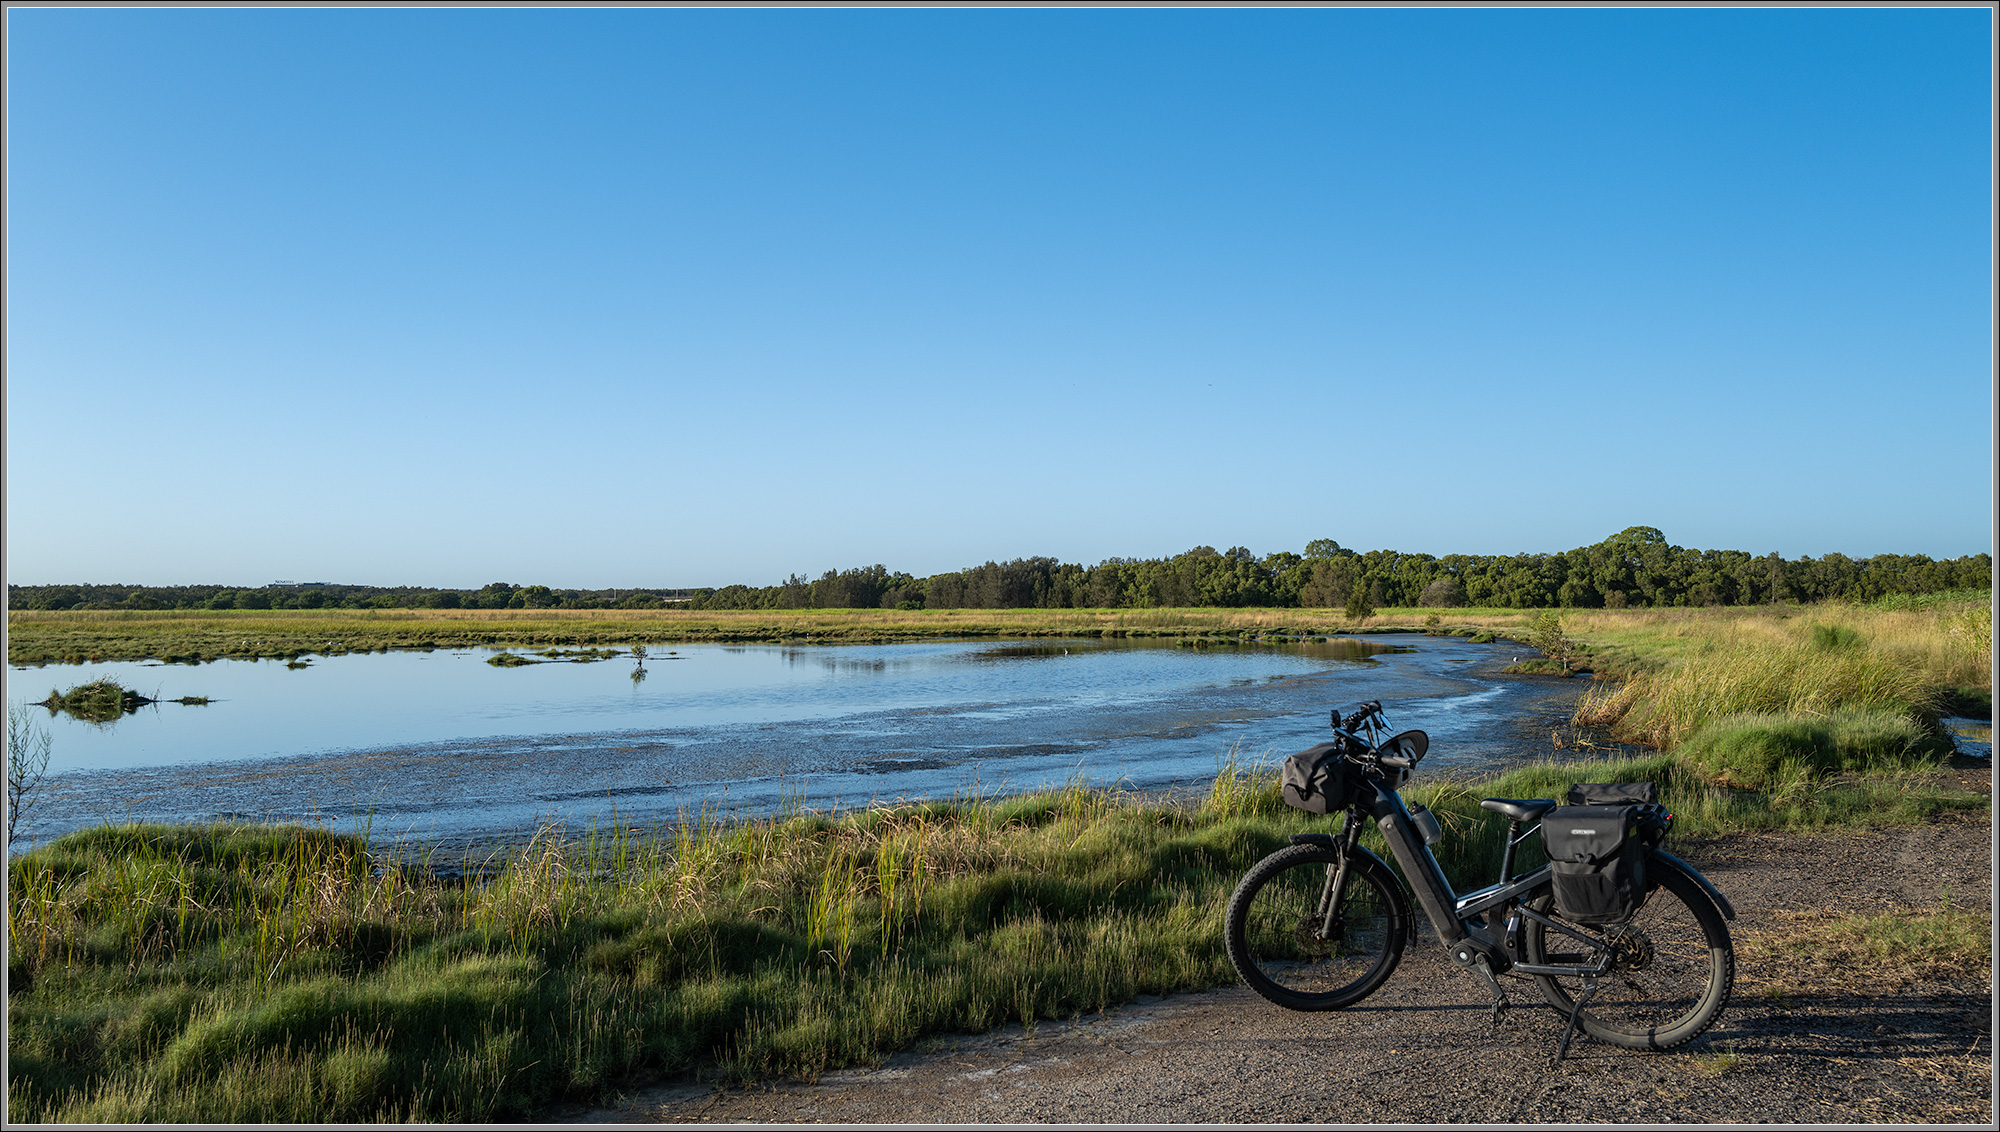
{"points": [[27, 761], [1358, 605], [1444, 592], [1549, 638]]}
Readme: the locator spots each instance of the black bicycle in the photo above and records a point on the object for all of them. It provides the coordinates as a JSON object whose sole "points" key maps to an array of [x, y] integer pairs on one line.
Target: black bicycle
{"points": [[1322, 924]]}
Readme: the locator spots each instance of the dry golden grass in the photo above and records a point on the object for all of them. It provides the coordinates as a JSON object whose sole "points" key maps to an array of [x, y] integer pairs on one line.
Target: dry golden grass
{"points": [[1888, 949], [1687, 668]]}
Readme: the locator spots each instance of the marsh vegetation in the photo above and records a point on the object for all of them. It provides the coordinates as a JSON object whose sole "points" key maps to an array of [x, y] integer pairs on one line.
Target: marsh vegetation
{"points": [[248, 974], [253, 974]]}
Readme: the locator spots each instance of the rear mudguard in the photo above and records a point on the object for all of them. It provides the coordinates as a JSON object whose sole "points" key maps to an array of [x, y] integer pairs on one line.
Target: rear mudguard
{"points": [[1721, 901]]}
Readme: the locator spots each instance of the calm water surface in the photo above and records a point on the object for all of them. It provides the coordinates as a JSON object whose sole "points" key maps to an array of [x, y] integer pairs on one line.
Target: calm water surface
{"points": [[443, 745]]}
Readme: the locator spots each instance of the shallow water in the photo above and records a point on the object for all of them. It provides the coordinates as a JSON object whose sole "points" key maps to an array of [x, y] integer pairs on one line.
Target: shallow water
{"points": [[441, 745], [1972, 737]]}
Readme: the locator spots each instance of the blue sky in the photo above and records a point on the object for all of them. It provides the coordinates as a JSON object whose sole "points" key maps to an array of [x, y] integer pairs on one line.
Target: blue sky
{"points": [[677, 298]]}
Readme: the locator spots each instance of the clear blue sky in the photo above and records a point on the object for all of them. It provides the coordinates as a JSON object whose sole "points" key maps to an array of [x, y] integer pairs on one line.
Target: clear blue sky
{"points": [[678, 298]]}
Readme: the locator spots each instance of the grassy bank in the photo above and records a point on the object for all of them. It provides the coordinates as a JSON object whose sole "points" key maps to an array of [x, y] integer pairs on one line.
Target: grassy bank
{"points": [[233, 974], [194, 636], [1746, 693]]}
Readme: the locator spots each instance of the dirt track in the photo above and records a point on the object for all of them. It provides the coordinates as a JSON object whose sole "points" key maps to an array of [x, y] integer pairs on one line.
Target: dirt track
{"points": [[1423, 1049]]}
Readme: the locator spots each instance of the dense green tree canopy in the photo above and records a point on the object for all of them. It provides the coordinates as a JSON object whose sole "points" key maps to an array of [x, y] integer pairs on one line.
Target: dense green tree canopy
{"points": [[1633, 568]]}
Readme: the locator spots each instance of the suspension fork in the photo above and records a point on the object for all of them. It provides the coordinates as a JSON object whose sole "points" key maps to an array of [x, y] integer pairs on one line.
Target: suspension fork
{"points": [[1336, 879]]}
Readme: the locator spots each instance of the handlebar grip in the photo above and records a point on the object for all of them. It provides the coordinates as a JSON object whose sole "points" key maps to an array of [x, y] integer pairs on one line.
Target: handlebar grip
{"points": [[1397, 761]]}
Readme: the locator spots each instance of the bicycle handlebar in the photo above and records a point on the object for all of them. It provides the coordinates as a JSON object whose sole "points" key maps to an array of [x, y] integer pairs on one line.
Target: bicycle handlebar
{"points": [[1361, 715], [1363, 749]]}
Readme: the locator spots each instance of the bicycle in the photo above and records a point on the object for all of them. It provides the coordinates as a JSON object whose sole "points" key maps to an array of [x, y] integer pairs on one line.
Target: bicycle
{"points": [[1322, 924]]}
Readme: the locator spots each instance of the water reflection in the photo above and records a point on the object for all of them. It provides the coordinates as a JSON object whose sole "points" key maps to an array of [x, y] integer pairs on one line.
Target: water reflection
{"points": [[442, 743], [1972, 737]]}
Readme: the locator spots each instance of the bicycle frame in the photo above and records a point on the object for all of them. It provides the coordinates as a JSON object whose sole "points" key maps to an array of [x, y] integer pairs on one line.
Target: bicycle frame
{"points": [[1456, 918]]}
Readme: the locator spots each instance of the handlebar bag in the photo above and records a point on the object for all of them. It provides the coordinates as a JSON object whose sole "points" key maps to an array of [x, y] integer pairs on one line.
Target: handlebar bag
{"points": [[1597, 862], [1316, 780]]}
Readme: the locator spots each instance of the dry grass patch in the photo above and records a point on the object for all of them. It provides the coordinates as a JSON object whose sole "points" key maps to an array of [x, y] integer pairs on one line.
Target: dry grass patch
{"points": [[1885, 949]]}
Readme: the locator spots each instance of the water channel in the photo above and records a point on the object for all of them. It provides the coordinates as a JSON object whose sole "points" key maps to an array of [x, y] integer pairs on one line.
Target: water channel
{"points": [[445, 747]]}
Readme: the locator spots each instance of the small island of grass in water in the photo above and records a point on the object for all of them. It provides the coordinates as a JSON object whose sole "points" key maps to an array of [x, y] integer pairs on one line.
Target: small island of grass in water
{"points": [[104, 701]]}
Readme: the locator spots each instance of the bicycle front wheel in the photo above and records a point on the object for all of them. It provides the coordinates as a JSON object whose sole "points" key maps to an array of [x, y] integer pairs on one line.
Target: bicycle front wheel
{"points": [[1673, 976], [1280, 940]]}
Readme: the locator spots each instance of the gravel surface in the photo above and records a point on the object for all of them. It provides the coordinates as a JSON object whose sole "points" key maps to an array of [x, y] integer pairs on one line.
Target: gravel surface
{"points": [[1424, 1050]]}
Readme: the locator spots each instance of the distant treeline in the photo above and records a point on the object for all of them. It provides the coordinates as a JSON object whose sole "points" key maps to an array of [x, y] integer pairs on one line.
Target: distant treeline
{"points": [[327, 595], [1635, 567]]}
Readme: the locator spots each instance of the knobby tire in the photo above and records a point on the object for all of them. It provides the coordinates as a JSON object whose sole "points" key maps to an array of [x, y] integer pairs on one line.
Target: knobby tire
{"points": [[1275, 937], [1674, 986]]}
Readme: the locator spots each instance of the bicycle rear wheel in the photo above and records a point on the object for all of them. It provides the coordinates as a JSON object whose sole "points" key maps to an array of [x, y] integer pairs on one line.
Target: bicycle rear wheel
{"points": [[1673, 976], [1276, 932]]}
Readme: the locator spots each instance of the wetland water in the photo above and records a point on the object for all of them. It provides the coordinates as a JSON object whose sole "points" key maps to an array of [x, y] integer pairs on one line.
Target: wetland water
{"points": [[423, 746]]}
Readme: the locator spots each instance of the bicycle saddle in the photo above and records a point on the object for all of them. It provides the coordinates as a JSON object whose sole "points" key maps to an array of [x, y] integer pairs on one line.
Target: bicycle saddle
{"points": [[1518, 809]]}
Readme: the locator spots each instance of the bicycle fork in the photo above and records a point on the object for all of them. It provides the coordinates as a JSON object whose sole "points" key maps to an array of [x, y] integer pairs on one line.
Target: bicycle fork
{"points": [[1336, 881]]}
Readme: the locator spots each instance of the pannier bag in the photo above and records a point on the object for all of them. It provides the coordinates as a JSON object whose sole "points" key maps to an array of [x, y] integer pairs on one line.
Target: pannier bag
{"points": [[1613, 793], [1316, 780], [1654, 820], [1597, 862]]}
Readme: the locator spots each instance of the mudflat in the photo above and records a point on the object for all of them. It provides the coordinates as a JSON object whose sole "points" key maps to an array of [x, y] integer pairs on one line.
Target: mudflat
{"points": [[1801, 1042]]}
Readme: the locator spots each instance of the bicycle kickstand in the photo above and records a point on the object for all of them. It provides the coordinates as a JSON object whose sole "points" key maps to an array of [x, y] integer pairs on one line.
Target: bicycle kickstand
{"points": [[1484, 970], [1589, 989]]}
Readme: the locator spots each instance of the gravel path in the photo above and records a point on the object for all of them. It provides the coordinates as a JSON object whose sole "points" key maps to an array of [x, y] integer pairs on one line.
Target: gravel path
{"points": [[1423, 1049]]}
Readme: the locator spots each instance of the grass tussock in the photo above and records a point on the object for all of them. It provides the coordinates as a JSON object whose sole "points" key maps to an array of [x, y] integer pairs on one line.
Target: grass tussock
{"points": [[1773, 681], [101, 700], [1761, 751], [275, 975], [1756, 697]]}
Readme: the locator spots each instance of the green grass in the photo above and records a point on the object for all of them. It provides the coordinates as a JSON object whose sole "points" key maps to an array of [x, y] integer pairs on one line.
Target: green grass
{"points": [[1761, 751], [249, 974], [99, 701], [1724, 1061], [1788, 694]]}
